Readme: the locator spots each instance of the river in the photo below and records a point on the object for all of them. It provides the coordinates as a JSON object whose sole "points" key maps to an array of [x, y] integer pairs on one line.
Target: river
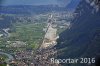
{"points": [[10, 57]]}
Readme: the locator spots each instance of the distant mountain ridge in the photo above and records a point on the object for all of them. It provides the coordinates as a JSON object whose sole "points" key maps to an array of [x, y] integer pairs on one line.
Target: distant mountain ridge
{"points": [[73, 4], [28, 9]]}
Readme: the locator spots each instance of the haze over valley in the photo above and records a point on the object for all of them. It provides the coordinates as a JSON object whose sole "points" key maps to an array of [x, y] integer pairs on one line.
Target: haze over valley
{"points": [[32, 32]]}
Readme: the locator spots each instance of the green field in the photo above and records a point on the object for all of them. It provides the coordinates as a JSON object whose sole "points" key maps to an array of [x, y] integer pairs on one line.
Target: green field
{"points": [[31, 34]]}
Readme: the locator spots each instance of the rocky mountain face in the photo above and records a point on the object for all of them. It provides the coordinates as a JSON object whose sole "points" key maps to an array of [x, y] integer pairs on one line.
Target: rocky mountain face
{"points": [[83, 38]]}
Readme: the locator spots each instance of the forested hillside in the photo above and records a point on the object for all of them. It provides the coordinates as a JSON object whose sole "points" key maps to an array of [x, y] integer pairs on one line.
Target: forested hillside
{"points": [[83, 38]]}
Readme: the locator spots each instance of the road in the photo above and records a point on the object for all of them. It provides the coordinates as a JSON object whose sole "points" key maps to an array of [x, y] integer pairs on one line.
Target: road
{"points": [[47, 50], [50, 35]]}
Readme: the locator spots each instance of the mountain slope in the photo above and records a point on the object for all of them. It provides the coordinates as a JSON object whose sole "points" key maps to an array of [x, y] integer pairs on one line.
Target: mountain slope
{"points": [[83, 39]]}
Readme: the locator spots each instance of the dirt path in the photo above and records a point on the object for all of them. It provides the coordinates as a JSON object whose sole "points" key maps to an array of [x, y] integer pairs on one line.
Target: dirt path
{"points": [[50, 37]]}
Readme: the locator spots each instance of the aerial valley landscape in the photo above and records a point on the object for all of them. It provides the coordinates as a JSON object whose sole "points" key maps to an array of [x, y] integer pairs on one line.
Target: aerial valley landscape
{"points": [[35, 35]]}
